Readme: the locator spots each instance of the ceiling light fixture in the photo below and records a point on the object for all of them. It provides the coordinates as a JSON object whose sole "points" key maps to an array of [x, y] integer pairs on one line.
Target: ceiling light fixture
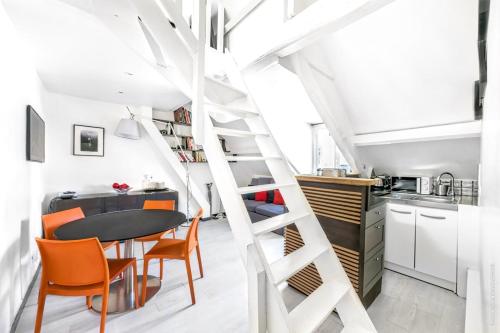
{"points": [[128, 128]]}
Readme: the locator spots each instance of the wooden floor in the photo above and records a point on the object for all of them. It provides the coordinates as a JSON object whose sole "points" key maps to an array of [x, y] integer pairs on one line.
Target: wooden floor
{"points": [[405, 305]]}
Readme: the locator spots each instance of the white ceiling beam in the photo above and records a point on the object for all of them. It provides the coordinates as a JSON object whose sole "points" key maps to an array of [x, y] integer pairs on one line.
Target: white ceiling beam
{"points": [[329, 106], [431, 133], [320, 18], [249, 7]]}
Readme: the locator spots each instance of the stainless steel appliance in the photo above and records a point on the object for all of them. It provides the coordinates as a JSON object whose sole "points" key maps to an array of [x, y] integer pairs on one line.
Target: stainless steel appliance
{"points": [[425, 185], [442, 188], [406, 184]]}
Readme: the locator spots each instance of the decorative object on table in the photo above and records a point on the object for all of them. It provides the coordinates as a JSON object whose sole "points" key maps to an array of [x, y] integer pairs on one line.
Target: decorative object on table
{"points": [[88, 140], [333, 172], [121, 188], [149, 185], [128, 128], [35, 136], [67, 195]]}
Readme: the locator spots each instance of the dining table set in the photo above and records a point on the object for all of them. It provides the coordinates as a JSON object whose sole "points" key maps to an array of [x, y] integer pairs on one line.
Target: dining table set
{"points": [[74, 261], [123, 226]]}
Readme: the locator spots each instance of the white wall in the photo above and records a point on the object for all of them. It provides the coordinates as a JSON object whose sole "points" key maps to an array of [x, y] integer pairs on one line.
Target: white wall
{"points": [[22, 193], [490, 182], [460, 157], [409, 64], [124, 160]]}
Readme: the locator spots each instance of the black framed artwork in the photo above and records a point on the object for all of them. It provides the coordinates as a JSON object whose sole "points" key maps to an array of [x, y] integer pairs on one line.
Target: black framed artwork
{"points": [[35, 136], [88, 140]]}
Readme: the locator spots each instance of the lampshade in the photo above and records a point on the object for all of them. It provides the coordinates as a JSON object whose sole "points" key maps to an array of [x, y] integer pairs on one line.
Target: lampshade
{"points": [[129, 129]]}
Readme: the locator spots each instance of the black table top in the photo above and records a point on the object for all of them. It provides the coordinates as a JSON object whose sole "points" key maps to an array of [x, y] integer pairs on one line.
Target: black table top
{"points": [[121, 225]]}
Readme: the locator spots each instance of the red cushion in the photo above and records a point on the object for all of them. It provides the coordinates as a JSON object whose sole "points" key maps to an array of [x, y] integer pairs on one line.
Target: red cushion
{"points": [[261, 196], [278, 199]]}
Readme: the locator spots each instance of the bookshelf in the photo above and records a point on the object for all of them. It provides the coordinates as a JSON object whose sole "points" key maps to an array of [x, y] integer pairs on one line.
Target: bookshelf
{"points": [[179, 122]]}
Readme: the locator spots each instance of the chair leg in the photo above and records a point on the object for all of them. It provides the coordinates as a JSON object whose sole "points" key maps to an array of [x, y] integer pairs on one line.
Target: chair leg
{"points": [[42, 295], [118, 255], [104, 309], [173, 233], [136, 288], [89, 302], [161, 269], [198, 254], [144, 281], [190, 279], [143, 252]]}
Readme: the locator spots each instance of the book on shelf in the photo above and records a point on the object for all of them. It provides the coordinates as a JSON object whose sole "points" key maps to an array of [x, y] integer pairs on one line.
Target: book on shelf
{"points": [[182, 115], [199, 156]]}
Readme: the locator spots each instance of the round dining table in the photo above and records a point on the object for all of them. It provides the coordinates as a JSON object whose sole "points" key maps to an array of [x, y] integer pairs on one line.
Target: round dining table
{"points": [[123, 226]]}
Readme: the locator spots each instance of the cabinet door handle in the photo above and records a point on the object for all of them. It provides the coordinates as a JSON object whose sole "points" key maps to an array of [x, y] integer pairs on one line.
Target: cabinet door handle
{"points": [[378, 212], [400, 211], [378, 258], [433, 217], [378, 227]]}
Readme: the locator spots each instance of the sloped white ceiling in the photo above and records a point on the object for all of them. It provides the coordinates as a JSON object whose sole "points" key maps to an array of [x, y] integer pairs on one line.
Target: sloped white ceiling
{"points": [[76, 54], [411, 64]]}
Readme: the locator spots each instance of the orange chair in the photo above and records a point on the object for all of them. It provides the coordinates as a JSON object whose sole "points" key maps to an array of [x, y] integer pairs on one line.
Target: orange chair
{"points": [[161, 205], [53, 221], [78, 268], [176, 249]]}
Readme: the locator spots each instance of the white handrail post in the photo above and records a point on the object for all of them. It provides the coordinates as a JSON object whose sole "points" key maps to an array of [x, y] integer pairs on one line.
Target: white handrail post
{"points": [[199, 28]]}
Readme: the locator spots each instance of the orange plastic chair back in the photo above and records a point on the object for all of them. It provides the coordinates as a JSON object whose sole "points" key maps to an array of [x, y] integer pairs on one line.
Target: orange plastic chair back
{"points": [[53, 221], [159, 204], [192, 234], [73, 263]]}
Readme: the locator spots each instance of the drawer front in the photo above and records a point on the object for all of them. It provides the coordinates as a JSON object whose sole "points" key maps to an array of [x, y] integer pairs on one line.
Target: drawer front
{"points": [[374, 238], [373, 268], [374, 215], [91, 206]]}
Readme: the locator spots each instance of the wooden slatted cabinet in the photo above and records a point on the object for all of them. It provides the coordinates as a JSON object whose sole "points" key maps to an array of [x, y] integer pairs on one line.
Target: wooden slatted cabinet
{"points": [[356, 234]]}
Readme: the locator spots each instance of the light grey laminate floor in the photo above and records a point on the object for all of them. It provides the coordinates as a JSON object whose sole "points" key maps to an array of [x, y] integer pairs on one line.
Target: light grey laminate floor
{"points": [[405, 304]]}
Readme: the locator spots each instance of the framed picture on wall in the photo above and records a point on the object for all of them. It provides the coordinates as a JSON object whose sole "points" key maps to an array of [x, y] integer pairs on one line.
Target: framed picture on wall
{"points": [[88, 140], [35, 136]]}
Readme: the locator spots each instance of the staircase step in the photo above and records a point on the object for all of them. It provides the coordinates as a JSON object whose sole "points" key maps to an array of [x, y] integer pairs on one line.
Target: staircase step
{"points": [[237, 133], [251, 158], [235, 111], [290, 264], [222, 92], [355, 329], [312, 312], [262, 188], [276, 222]]}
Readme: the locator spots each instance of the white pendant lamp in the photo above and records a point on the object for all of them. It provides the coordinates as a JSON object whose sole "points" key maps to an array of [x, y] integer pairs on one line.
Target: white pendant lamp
{"points": [[128, 128]]}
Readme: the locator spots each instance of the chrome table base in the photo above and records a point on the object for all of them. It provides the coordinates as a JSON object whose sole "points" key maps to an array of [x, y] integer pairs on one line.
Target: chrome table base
{"points": [[121, 292]]}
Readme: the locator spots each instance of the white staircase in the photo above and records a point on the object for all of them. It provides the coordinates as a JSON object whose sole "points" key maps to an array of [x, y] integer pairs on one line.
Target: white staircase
{"points": [[230, 100]]}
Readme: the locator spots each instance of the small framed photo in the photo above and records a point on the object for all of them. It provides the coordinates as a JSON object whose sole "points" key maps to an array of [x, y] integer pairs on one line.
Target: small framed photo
{"points": [[88, 140]]}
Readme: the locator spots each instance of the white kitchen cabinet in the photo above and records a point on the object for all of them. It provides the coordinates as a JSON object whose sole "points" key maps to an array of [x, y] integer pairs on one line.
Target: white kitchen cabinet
{"points": [[400, 235], [436, 243]]}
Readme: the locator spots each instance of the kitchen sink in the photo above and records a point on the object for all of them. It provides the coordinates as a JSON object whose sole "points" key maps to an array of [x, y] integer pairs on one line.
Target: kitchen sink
{"points": [[436, 199], [431, 201]]}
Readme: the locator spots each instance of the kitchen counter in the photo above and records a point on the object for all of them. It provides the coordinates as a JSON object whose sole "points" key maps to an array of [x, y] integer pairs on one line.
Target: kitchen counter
{"points": [[337, 180], [356, 235], [430, 201]]}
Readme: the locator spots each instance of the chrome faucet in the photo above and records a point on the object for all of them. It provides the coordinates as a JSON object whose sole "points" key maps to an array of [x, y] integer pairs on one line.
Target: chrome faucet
{"points": [[452, 187]]}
